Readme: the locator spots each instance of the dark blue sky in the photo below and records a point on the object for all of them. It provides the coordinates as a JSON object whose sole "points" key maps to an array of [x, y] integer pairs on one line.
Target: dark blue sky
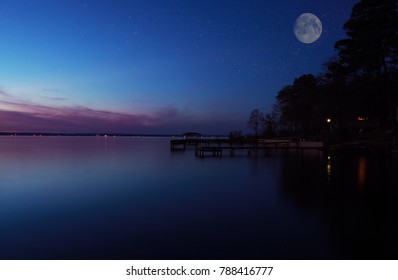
{"points": [[153, 66]]}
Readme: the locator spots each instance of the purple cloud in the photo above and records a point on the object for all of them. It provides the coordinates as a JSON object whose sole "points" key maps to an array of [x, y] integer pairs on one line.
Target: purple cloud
{"points": [[56, 98], [17, 116], [25, 116], [4, 94]]}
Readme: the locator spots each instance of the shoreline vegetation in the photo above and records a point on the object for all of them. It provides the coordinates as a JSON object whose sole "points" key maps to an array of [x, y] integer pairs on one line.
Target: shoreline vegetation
{"points": [[353, 102]]}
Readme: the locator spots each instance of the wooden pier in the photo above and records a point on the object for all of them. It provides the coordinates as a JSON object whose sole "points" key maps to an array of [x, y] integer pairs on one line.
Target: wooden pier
{"points": [[178, 145], [206, 151], [183, 144], [221, 147]]}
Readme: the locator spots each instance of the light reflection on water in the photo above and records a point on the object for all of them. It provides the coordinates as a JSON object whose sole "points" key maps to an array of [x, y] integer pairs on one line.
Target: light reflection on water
{"points": [[361, 172], [131, 198]]}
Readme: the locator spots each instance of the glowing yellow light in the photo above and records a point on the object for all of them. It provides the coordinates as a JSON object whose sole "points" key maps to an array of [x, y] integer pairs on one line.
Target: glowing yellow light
{"points": [[328, 120]]}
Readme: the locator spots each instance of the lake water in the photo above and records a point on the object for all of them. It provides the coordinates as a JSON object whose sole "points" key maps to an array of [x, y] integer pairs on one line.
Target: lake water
{"points": [[131, 198]]}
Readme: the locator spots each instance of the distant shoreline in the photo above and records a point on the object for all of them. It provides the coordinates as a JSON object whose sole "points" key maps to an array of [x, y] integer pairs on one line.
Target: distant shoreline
{"points": [[97, 134]]}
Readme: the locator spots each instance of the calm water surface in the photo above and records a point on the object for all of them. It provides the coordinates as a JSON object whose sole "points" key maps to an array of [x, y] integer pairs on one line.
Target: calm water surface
{"points": [[131, 198]]}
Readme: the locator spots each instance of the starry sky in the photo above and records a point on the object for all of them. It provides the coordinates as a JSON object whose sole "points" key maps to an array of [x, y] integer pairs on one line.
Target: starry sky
{"points": [[153, 66]]}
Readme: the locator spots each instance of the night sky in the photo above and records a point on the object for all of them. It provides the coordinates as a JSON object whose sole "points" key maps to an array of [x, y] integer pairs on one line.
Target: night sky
{"points": [[153, 66]]}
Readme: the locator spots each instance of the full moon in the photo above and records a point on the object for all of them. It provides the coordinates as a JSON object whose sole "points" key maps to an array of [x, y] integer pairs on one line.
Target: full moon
{"points": [[307, 28]]}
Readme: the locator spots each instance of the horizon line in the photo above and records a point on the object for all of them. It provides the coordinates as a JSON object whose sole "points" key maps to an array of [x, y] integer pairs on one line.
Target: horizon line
{"points": [[5, 133]]}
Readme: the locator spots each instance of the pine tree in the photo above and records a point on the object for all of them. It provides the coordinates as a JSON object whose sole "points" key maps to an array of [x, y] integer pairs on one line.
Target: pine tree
{"points": [[371, 48], [370, 56]]}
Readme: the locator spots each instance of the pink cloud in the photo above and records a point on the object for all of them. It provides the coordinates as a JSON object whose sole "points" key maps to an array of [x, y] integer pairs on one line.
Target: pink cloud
{"points": [[3, 94], [28, 117], [18, 115]]}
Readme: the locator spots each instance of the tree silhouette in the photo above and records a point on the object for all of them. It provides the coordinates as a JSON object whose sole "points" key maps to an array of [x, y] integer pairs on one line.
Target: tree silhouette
{"points": [[256, 121], [271, 122], [300, 105], [370, 53], [371, 46], [361, 81]]}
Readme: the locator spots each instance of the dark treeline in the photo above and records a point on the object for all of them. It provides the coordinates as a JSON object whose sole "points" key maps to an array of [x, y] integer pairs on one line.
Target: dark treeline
{"points": [[357, 93]]}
